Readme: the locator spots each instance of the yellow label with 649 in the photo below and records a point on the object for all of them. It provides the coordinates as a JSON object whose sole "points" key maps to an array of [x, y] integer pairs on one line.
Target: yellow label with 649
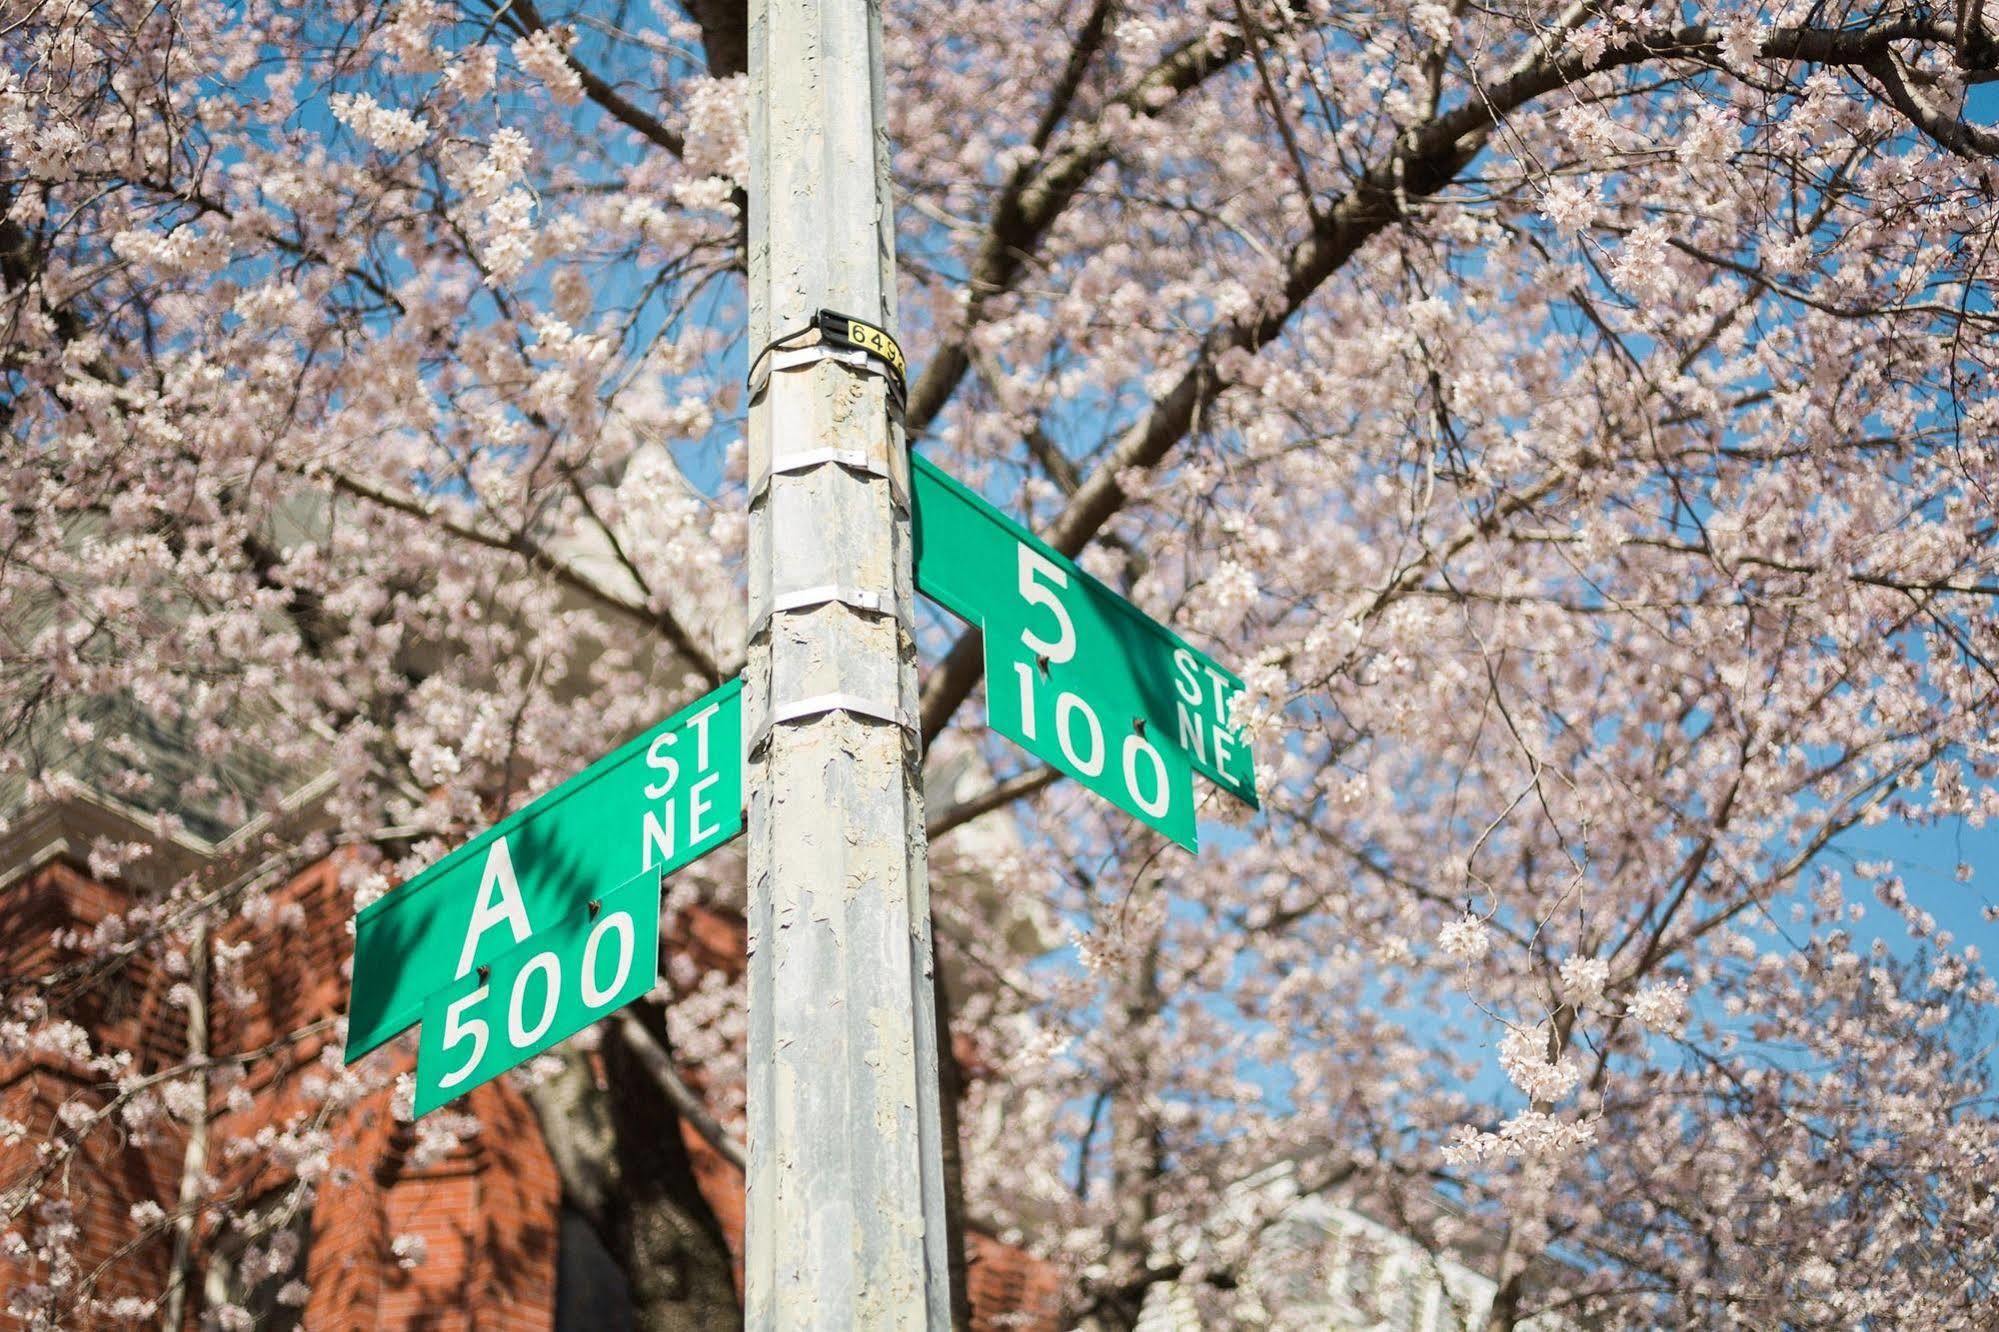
{"points": [[869, 338]]}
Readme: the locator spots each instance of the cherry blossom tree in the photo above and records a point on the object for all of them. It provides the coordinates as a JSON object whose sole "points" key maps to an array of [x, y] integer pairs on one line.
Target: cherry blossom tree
{"points": [[1576, 422]]}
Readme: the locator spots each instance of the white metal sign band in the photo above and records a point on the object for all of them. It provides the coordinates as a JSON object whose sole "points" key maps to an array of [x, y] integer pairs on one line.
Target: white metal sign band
{"points": [[807, 459], [820, 704], [792, 358], [860, 598]]}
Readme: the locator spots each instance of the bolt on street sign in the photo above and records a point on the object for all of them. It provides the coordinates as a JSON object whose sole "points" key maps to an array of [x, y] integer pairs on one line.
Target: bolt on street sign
{"points": [[593, 961], [1076, 674], [669, 797]]}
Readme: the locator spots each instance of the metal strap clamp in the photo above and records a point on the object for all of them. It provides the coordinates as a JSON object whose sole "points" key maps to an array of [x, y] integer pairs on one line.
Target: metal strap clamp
{"points": [[860, 598], [873, 360], [820, 704], [807, 459]]}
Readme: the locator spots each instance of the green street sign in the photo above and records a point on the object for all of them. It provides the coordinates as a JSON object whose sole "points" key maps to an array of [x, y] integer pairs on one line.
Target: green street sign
{"points": [[1075, 673], [590, 963], [667, 798]]}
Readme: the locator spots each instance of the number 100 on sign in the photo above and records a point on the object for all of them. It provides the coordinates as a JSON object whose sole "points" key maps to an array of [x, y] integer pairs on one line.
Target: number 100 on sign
{"points": [[1062, 685], [548, 988]]}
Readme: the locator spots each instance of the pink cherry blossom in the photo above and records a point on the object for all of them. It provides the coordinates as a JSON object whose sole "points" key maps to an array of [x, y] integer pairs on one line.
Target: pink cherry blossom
{"points": [[1575, 426]]}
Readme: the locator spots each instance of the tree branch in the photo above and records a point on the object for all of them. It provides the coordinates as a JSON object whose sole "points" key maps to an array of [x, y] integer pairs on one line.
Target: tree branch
{"points": [[997, 797], [691, 1107], [527, 20], [1959, 136], [526, 546], [1038, 193], [1425, 159]]}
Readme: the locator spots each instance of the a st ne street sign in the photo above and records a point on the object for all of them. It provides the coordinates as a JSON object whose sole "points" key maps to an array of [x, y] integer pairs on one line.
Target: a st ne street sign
{"points": [[667, 798], [592, 962], [1075, 673]]}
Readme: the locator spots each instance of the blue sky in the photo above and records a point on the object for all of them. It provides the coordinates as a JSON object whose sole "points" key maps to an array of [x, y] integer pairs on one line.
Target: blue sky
{"points": [[1927, 859]]}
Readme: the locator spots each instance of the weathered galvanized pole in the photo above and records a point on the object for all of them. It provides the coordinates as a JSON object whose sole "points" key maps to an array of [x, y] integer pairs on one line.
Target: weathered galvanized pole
{"points": [[846, 1188]]}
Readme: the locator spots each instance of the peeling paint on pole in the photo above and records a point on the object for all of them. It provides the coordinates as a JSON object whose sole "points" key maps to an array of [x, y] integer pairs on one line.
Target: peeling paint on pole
{"points": [[846, 1188]]}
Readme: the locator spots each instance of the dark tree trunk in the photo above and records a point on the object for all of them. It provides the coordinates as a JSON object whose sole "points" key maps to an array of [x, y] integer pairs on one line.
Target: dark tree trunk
{"points": [[951, 1086], [626, 1171], [664, 1234], [1137, 1159]]}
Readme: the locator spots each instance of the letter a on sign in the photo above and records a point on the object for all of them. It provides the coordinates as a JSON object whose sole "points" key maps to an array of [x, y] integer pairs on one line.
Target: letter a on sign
{"points": [[499, 900]]}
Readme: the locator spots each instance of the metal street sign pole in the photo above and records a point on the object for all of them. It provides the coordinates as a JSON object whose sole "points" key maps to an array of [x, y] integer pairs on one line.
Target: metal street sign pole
{"points": [[846, 1224]]}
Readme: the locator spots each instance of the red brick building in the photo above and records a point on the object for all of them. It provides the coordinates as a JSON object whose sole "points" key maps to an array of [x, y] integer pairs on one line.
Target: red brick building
{"points": [[478, 1239]]}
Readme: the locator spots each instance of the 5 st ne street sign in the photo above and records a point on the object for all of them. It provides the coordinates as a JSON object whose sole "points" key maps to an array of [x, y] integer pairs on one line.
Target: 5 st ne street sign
{"points": [[667, 798], [1075, 673], [594, 961]]}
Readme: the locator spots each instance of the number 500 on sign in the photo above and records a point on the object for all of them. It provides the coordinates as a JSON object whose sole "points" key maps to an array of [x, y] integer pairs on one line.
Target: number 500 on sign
{"points": [[545, 990]]}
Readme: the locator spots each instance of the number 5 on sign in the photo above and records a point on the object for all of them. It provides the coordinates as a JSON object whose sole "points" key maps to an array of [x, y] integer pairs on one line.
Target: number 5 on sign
{"points": [[546, 989]]}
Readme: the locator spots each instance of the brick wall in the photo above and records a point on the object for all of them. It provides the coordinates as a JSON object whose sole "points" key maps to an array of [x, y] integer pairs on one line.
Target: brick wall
{"points": [[486, 1215]]}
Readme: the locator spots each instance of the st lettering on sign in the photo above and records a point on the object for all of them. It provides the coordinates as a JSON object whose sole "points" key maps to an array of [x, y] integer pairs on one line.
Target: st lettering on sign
{"points": [[668, 797], [1075, 673]]}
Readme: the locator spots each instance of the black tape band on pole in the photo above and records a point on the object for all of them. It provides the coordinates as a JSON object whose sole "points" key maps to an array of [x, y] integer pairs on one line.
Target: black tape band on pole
{"points": [[845, 333]]}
